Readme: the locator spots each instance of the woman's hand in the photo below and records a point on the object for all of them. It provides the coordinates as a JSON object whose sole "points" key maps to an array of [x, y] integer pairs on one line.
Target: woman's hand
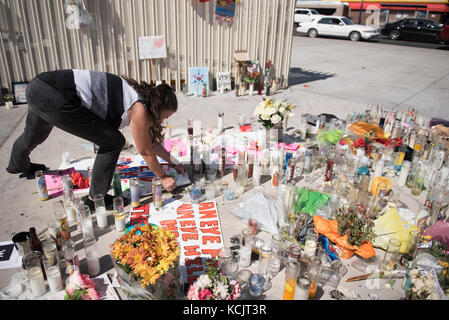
{"points": [[180, 168], [168, 183]]}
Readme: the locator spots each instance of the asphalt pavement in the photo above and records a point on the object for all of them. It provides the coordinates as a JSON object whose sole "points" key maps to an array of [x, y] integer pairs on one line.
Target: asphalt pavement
{"points": [[327, 75]]}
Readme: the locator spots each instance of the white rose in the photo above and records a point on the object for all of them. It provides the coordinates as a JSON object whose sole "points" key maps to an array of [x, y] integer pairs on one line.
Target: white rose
{"points": [[275, 118], [270, 110], [281, 109], [265, 116]]}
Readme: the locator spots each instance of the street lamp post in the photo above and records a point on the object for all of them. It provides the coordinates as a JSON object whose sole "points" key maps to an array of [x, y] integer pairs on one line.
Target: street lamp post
{"points": [[360, 12]]}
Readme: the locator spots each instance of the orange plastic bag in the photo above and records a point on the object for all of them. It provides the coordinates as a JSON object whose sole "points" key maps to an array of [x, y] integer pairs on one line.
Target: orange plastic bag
{"points": [[367, 130], [329, 228]]}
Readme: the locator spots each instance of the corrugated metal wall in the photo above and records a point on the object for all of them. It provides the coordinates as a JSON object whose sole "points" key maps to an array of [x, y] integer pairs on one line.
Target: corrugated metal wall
{"points": [[35, 38]]}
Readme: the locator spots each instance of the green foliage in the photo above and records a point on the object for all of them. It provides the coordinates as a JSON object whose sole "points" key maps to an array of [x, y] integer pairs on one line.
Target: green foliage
{"points": [[357, 228]]}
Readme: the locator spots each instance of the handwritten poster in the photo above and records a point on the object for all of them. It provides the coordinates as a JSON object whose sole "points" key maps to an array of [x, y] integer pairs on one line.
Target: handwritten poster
{"points": [[225, 10], [152, 47], [198, 76], [223, 81], [198, 229]]}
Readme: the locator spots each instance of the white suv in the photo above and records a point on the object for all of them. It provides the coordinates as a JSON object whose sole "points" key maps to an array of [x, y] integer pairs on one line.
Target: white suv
{"points": [[304, 15]]}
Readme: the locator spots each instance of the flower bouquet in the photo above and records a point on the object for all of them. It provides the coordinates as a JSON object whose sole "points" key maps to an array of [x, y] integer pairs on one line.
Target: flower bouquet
{"points": [[271, 114], [214, 285], [78, 180], [80, 287], [146, 259]]}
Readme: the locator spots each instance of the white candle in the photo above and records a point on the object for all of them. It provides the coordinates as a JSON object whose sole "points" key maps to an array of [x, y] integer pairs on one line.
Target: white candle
{"points": [[220, 124], [37, 282], [379, 168], [93, 263], [257, 170], [120, 222], [245, 256], [54, 279], [309, 248], [102, 217], [302, 289], [71, 213], [404, 173], [87, 227]]}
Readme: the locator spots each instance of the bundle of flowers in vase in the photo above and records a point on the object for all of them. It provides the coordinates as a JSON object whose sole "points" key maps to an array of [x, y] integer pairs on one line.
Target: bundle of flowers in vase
{"points": [[146, 259], [270, 113], [81, 287], [214, 285]]}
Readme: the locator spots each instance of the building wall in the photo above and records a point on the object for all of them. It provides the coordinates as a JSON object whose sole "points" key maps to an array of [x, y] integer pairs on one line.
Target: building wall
{"points": [[35, 37]]}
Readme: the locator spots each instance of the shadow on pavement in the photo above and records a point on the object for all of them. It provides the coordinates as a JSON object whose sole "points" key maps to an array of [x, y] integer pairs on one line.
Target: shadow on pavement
{"points": [[300, 76]]}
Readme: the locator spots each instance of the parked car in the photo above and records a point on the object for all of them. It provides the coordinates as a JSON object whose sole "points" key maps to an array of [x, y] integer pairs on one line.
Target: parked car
{"points": [[444, 34], [304, 15], [338, 27], [413, 29]]}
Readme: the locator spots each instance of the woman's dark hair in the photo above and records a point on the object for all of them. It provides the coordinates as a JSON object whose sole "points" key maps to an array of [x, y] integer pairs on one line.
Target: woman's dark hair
{"points": [[155, 99]]}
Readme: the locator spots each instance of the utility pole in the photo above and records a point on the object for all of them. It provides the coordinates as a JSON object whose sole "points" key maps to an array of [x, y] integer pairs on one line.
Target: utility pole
{"points": [[360, 12]]}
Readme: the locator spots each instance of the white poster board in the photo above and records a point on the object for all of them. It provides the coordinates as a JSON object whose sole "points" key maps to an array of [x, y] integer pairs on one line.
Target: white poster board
{"points": [[223, 81], [153, 47]]}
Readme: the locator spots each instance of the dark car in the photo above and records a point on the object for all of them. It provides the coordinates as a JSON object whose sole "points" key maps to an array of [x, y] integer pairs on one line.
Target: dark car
{"points": [[413, 29]]}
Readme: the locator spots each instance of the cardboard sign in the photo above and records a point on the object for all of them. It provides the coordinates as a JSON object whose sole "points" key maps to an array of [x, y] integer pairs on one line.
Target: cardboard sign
{"points": [[152, 47], [223, 81], [198, 229], [198, 76]]}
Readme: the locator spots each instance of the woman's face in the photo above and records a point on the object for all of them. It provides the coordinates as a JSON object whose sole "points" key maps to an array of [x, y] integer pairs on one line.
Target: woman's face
{"points": [[165, 114]]}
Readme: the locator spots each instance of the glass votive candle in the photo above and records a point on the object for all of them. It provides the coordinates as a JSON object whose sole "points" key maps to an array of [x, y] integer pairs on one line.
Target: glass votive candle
{"points": [[223, 255], [119, 214], [310, 244], [302, 289], [210, 192], [54, 277], [256, 282], [228, 194], [93, 260], [100, 211], [230, 268], [32, 263], [195, 194]]}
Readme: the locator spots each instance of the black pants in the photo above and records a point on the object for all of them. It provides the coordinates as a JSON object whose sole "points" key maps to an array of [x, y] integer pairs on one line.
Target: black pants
{"points": [[47, 108]]}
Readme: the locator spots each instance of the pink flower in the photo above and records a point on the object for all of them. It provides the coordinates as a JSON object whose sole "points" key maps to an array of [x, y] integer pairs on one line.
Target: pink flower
{"points": [[192, 294], [79, 281], [236, 290], [204, 294]]}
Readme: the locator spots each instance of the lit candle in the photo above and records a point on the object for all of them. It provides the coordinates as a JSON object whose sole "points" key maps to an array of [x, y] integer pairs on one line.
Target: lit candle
{"points": [[102, 217]]}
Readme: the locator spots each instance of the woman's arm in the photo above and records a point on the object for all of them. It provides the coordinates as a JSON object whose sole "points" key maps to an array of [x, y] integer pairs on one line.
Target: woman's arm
{"points": [[164, 154], [140, 122]]}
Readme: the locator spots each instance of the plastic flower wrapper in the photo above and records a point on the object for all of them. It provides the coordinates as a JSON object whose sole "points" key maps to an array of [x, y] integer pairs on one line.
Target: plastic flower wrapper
{"points": [[214, 285], [80, 287], [146, 259]]}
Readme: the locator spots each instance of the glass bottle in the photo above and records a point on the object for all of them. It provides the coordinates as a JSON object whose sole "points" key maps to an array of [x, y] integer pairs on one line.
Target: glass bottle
{"points": [[313, 273], [61, 216], [70, 256], [246, 247], [276, 245], [117, 184], [35, 242], [418, 181], [391, 258], [54, 229], [242, 179], [291, 275], [265, 256]]}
